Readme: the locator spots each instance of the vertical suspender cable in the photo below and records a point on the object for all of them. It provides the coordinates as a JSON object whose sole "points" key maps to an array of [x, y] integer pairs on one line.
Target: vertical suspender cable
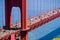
{"points": [[33, 6], [32, 12], [41, 5], [55, 3], [37, 7], [2, 21]]}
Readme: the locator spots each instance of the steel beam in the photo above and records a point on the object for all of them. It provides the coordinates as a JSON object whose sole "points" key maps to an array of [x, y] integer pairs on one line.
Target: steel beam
{"points": [[24, 19]]}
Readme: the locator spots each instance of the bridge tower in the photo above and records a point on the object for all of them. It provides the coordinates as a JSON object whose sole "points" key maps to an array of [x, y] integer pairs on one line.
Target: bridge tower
{"points": [[22, 4]]}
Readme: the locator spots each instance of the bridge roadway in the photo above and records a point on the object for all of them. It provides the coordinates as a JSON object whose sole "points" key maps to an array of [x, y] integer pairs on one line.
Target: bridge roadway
{"points": [[33, 23]]}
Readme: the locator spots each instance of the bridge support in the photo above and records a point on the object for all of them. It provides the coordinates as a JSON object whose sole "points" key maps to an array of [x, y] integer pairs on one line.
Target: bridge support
{"points": [[22, 4]]}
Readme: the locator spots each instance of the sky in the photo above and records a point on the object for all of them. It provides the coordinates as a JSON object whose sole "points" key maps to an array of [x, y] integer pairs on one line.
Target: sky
{"points": [[34, 10]]}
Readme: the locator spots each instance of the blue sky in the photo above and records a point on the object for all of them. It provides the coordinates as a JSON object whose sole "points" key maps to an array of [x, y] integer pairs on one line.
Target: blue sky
{"points": [[43, 6]]}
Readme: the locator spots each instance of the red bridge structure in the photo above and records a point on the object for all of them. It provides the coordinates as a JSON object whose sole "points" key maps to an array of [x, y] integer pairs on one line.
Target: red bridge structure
{"points": [[22, 4], [13, 32]]}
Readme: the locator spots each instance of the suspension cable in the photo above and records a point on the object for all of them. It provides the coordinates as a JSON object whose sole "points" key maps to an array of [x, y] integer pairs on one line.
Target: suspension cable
{"points": [[40, 5], [33, 6], [33, 11], [2, 21]]}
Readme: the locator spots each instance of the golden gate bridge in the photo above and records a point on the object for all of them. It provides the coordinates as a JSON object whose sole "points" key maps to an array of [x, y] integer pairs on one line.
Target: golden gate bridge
{"points": [[14, 31]]}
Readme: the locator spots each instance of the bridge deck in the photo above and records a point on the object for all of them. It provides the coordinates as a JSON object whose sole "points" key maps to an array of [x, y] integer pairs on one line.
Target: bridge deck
{"points": [[33, 23]]}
